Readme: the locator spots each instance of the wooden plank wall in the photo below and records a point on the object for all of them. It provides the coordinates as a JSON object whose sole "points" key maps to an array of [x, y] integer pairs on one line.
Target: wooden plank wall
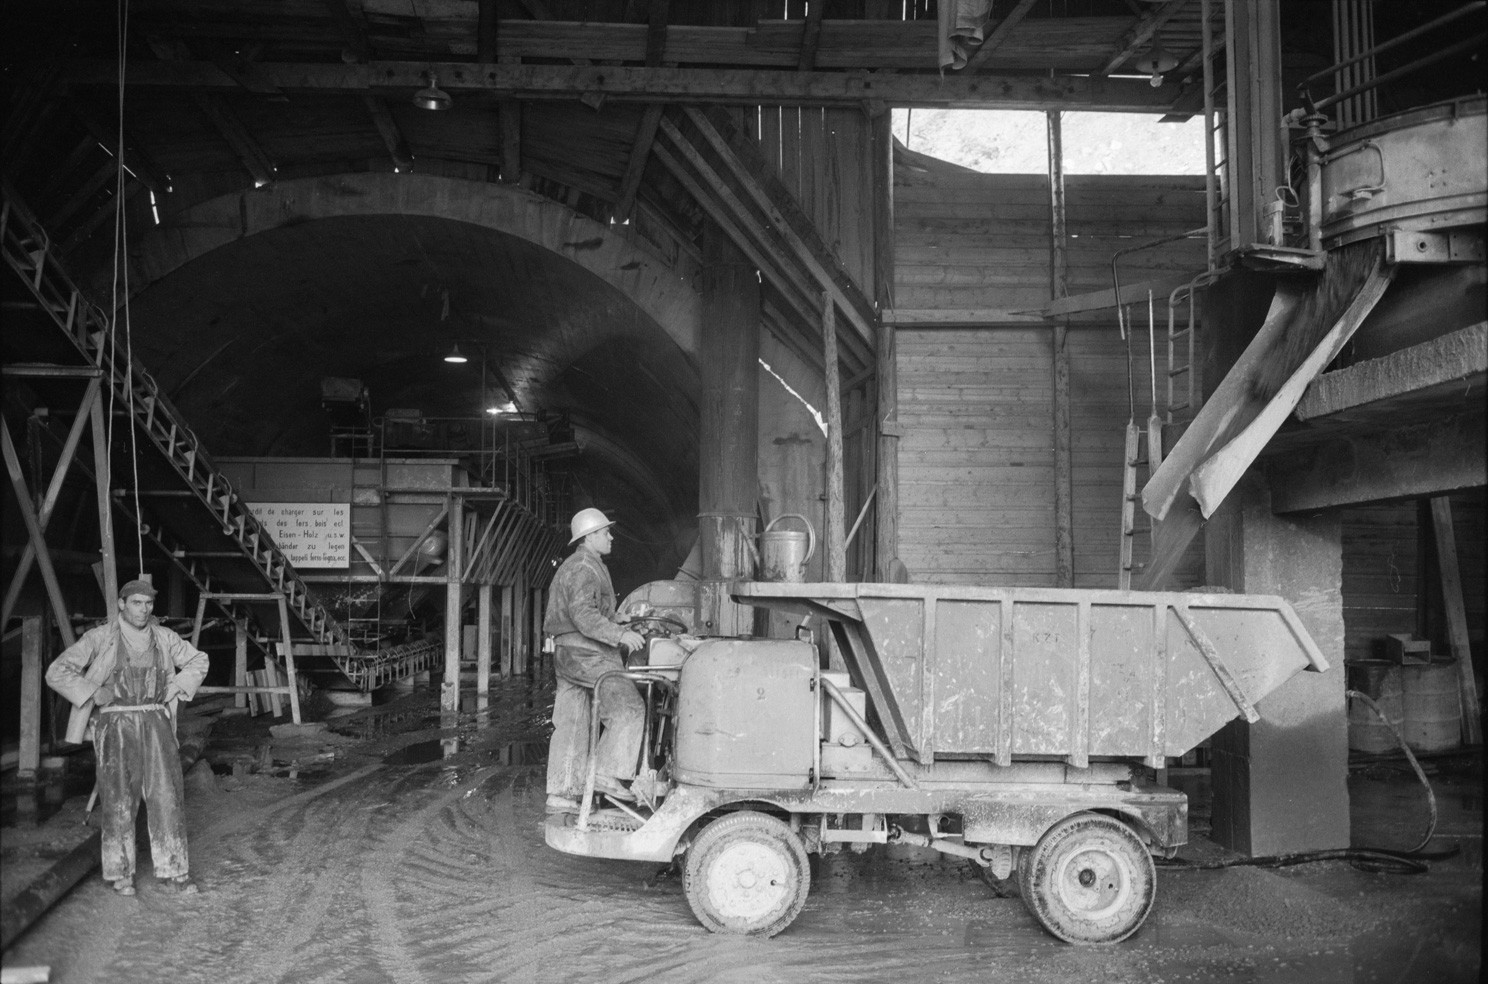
{"points": [[975, 462], [969, 240], [824, 157], [1385, 573]]}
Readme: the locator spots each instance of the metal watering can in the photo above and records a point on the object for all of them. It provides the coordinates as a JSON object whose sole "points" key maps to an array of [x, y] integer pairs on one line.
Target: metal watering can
{"points": [[783, 554]]}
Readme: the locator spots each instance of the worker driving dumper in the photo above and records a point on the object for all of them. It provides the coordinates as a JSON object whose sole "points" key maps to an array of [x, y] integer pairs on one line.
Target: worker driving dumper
{"points": [[587, 644]]}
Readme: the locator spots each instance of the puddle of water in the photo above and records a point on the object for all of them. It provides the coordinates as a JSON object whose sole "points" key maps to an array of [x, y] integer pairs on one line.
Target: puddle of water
{"points": [[512, 753], [368, 725], [421, 752]]}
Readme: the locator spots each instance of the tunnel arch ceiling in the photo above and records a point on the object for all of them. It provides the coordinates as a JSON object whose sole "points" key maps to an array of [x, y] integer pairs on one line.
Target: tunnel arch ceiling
{"points": [[240, 320]]}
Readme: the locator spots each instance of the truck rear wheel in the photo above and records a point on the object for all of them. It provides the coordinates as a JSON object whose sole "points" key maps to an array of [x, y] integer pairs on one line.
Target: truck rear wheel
{"points": [[747, 874], [1089, 879]]}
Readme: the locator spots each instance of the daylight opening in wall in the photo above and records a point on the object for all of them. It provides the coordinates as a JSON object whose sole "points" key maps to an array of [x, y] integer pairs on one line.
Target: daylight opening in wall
{"points": [[1016, 141]]}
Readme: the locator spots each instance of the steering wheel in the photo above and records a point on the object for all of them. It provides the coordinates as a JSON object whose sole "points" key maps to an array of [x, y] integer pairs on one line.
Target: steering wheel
{"points": [[664, 624]]}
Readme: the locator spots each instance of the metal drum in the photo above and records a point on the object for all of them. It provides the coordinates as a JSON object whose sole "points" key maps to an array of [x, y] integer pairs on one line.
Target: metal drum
{"points": [[1432, 715], [1420, 170]]}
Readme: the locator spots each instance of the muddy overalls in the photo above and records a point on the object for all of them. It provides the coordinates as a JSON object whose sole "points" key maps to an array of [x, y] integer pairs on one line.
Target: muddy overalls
{"points": [[134, 740]]}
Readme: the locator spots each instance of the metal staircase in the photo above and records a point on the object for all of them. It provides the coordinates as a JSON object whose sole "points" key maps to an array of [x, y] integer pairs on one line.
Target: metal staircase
{"points": [[194, 516]]}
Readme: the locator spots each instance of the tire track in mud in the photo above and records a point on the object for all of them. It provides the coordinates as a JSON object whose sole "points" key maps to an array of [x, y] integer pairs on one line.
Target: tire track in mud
{"points": [[275, 880], [424, 864], [289, 866], [448, 899]]}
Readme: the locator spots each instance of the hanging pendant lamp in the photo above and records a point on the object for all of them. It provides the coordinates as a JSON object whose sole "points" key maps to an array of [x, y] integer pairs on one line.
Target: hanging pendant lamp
{"points": [[432, 97]]}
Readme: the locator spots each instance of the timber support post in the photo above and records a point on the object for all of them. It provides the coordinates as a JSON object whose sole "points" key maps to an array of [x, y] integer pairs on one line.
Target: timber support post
{"points": [[449, 689], [836, 540], [728, 485], [1064, 540]]}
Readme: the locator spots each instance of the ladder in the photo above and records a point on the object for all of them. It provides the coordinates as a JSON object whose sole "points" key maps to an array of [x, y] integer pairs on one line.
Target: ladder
{"points": [[1216, 143], [368, 502], [1134, 457], [1144, 445]]}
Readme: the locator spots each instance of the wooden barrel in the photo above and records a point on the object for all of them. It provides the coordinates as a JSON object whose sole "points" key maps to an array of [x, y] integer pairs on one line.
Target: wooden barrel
{"points": [[1432, 720], [1380, 679]]}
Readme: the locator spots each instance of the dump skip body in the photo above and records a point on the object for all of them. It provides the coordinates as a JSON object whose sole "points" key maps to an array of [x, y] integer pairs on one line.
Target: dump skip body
{"points": [[1011, 673]]}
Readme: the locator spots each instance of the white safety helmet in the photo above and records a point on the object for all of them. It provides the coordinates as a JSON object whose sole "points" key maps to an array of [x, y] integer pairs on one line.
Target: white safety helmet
{"points": [[587, 521]]}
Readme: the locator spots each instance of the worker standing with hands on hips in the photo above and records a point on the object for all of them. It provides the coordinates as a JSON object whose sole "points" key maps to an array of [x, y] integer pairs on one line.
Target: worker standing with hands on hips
{"points": [[134, 671], [587, 643]]}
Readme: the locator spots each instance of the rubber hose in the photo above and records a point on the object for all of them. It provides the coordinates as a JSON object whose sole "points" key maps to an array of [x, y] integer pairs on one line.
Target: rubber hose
{"points": [[1412, 862]]}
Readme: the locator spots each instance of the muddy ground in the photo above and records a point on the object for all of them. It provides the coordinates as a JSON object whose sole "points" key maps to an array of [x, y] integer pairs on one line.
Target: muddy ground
{"points": [[390, 845]]}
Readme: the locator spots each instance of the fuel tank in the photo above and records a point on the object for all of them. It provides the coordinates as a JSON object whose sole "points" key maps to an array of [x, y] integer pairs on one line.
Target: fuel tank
{"points": [[746, 715]]}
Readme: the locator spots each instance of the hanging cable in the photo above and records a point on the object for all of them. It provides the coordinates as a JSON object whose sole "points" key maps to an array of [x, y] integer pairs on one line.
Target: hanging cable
{"points": [[119, 298]]}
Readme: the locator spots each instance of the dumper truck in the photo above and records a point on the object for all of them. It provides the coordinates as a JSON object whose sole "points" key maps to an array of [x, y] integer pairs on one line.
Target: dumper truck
{"points": [[1019, 728]]}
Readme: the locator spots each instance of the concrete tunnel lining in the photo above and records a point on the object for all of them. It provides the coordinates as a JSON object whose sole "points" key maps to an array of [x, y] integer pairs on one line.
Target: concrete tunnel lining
{"points": [[331, 277]]}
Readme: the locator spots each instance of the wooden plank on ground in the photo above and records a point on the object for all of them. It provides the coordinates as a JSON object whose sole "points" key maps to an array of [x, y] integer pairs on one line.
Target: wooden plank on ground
{"points": [[32, 641]]}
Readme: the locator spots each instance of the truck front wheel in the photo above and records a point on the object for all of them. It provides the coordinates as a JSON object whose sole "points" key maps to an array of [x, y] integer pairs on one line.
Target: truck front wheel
{"points": [[1089, 879], [747, 874]]}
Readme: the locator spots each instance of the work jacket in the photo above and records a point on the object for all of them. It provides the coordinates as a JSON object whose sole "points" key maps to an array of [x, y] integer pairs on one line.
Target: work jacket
{"points": [[89, 663], [581, 604]]}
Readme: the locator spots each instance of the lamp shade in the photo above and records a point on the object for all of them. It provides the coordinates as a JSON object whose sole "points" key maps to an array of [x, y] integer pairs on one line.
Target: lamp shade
{"points": [[432, 97], [1156, 62], [456, 356]]}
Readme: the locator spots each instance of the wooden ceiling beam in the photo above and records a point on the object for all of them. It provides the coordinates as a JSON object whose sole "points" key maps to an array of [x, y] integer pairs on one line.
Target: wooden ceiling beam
{"points": [[681, 85], [87, 227], [640, 151], [353, 29], [573, 178], [63, 170], [244, 70], [392, 136], [657, 12], [1141, 32], [999, 35], [215, 107], [1195, 60], [705, 187], [811, 35], [487, 32], [509, 118], [84, 194], [1067, 44], [226, 122], [786, 217], [540, 11], [767, 244], [136, 161]]}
